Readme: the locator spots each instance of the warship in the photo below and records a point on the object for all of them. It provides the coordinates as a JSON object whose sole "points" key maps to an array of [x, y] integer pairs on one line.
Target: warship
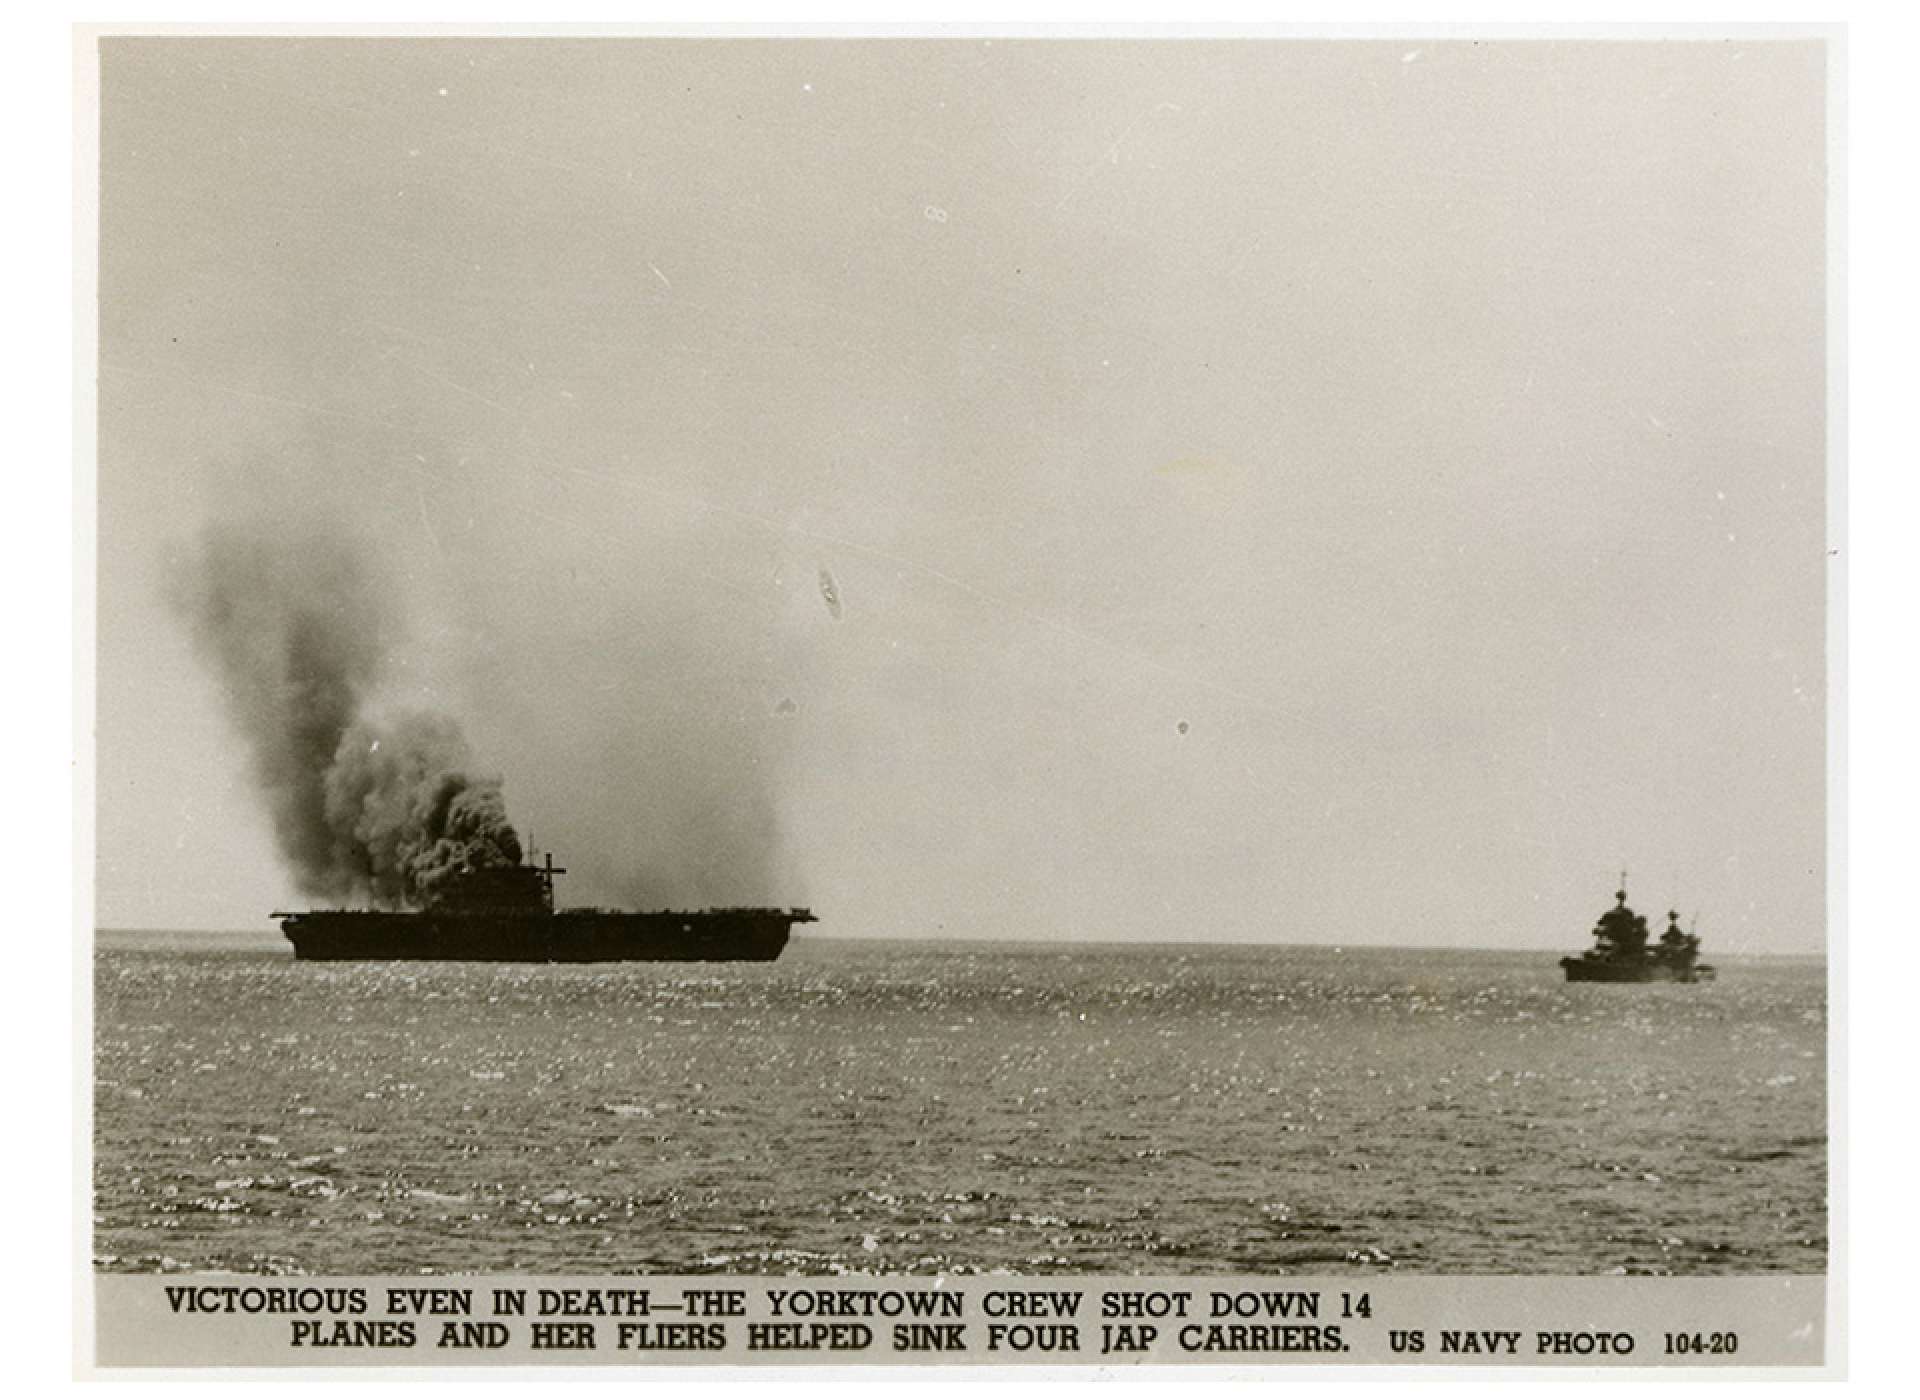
{"points": [[1620, 951], [506, 913]]}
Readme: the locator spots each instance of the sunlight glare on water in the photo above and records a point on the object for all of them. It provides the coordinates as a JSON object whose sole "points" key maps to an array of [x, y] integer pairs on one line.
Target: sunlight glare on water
{"points": [[955, 1108]]}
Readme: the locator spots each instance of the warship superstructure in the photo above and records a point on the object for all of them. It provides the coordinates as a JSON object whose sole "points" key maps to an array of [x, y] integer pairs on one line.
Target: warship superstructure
{"points": [[1622, 951], [506, 913]]}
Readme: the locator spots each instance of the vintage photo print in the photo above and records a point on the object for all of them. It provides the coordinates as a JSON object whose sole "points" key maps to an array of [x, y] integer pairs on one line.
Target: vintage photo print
{"points": [[962, 699]]}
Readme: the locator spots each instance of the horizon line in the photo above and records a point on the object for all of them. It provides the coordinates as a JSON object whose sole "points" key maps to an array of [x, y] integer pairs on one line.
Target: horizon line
{"points": [[990, 941]]}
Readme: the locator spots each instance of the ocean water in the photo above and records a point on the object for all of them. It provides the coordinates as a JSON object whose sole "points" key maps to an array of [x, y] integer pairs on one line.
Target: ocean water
{"points": [[924, 1108]]}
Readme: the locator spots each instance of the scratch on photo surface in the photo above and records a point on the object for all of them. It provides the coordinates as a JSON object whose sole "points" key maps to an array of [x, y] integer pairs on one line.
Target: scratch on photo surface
{"points": [[1111, 156]]}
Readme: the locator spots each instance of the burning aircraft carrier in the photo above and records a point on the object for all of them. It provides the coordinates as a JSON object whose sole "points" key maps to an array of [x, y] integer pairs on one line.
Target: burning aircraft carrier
{"points": [[383, 814], [506, 913]]}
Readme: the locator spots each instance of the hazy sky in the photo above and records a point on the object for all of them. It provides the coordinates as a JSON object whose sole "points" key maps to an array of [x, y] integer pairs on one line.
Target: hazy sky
{"points": [[1358, 492]]}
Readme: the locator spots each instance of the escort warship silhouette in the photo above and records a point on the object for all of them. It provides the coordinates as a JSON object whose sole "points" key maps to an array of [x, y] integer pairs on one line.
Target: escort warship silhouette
{"points": [[505, 913], [1621, 951]]}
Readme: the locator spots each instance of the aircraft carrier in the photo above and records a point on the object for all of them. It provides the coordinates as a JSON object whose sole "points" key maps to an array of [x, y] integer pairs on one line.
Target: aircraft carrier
{"points": [[505, 913]]}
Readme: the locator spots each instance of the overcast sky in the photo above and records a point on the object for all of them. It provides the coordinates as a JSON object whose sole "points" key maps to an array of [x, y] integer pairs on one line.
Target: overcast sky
{"points": [[1347, 493]]}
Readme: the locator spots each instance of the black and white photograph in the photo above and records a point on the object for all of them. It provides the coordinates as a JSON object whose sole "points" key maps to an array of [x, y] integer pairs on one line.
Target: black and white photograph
{"points": [[950, 657]]}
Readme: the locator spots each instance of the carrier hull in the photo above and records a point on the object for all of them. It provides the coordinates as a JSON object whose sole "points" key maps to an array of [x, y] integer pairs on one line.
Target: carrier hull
{"points": [[565, 936]]}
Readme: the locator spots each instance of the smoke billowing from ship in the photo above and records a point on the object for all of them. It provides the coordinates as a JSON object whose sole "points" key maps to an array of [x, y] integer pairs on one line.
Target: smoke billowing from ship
{"points": [[364, 807]]}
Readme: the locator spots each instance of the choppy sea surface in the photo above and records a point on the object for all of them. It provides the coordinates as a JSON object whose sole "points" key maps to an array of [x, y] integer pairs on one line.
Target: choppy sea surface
{"points": [[913, 1107]]}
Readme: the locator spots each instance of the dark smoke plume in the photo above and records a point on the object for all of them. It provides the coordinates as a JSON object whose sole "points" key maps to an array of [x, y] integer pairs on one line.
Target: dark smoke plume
{"points": [[298, 628]]}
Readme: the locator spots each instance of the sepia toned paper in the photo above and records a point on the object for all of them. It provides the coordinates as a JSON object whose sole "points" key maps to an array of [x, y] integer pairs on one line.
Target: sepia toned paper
{"points": [[1181, 672]]}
